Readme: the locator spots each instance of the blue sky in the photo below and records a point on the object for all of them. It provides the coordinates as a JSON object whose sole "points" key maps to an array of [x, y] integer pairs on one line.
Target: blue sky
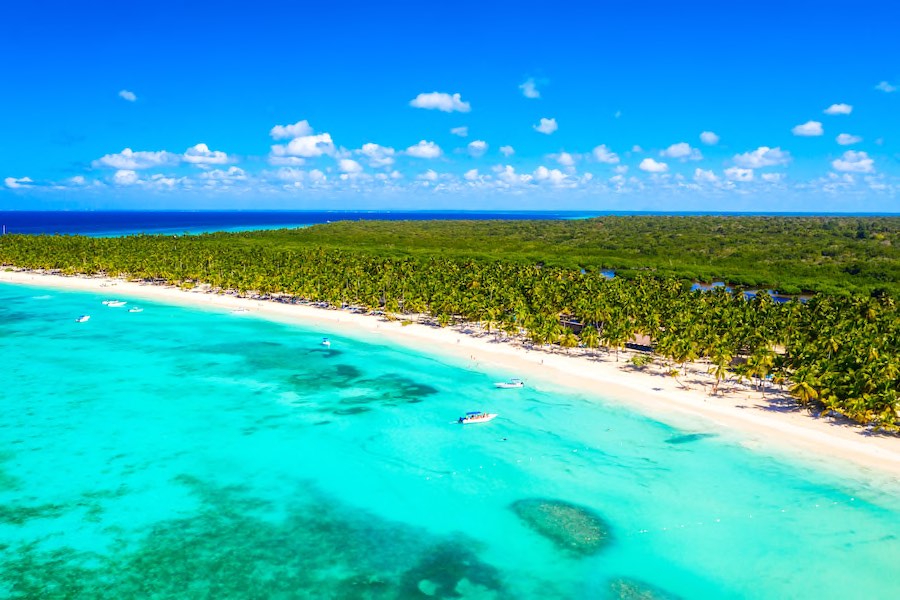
{"points": [[772, 106]]}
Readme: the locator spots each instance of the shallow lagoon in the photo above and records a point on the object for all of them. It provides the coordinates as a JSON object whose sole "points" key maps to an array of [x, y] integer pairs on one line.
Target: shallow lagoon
{"points": [[192, 453]]}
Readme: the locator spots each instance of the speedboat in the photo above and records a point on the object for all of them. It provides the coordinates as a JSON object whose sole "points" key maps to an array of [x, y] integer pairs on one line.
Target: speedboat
{"points": [[114, 303], [83, 319], [326, 342], [476, 417], [511, 384], [135, 309]]}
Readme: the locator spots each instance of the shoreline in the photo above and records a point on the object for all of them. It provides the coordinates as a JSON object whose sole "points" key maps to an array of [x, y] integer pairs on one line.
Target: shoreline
{"points": [[773, 424]]}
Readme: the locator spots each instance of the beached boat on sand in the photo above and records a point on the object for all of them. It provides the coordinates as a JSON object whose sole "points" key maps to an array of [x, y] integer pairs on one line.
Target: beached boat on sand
{"points": [[476, 417], [511, 384]]}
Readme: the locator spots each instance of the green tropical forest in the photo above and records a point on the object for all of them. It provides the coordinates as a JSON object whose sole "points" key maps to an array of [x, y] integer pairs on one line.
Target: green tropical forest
{"points": [[837, 348]]}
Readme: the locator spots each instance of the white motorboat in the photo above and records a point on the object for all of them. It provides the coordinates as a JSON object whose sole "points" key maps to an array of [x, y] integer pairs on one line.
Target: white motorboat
{"points": [[114, 303], [476, 417], [511, 384], [135, 309], [83, 319], [326, 342]]}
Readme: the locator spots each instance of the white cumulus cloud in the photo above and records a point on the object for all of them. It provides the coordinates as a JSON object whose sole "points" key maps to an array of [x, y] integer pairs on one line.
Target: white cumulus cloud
{"points": [[127, 95], [200, 154], [603, 154], [507, 151], [471, 175], [128, 159], [854, 162], [762, 157], [709, 138], [424, 150], [547, 126], [651, 166], [772, 177], [460, 131], [477, 148], [15, 183], [738, 174], [839, 109], [886, 87], [551, 176], [348, 165], [565, 159], [307, 146], [377, 156], [808, 129], [125, 177], [529, 89], [704, 176], [441, 101], [846, 139], [682, 151], [286, 132]]}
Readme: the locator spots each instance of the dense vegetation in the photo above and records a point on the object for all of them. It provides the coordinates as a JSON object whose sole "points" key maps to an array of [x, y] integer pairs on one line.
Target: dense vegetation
{"points": [[836, 351], [787, 254]]}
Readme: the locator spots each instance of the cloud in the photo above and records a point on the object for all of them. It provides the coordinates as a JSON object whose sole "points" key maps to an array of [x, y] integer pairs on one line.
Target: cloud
{"points": [[471, 175], [440, 101], [508, 176], [128, 159], [307, 146], [126, 95], [460, 131], [424, 150], [854, 162], [218, 176], [808, 129], [738, 174], [529, 89], [429, 175], [347, 165], [565, 159], [551, 176], [603, 154], [651, 166], [704, 176], [762, 157], [772, 177], [477, 148], [846, 139], [709, 138], [507, 151], [682, 151], [200, 154], [838, 109], [885, 87], [377, 156], [286, 132], [125, 177], [14, 183], [547, 126]]}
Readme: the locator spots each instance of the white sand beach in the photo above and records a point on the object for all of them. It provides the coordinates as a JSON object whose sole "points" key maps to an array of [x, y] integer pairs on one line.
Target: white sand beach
{"points": [[769, 423]]}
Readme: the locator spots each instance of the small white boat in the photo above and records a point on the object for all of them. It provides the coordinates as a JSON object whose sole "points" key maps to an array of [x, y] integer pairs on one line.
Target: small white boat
{"points": [[326, 342], [511, 384], [83, 319], [240, 311], [114, 303], [135, 309], [476, 417]]}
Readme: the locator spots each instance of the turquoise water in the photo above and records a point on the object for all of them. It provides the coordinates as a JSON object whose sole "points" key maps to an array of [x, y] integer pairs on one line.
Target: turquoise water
{"points": [[182, 452]]}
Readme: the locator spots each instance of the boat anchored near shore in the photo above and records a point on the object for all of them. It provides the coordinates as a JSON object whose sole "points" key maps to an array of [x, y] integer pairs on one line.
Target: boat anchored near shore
{"points": [[511, 384], [83, 319], [114, 303], [476, 417]]}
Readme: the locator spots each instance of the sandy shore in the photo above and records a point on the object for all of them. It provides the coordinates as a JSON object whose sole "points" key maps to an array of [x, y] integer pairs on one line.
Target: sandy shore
{"points": [[767, 424]]}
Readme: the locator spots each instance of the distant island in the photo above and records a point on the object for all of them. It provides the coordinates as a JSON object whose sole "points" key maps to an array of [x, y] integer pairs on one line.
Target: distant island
{"points": [[601, 282]]}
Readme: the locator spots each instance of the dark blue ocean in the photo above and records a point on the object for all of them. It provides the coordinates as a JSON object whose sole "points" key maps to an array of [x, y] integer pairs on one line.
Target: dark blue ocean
{"points": [[114, 223]]}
